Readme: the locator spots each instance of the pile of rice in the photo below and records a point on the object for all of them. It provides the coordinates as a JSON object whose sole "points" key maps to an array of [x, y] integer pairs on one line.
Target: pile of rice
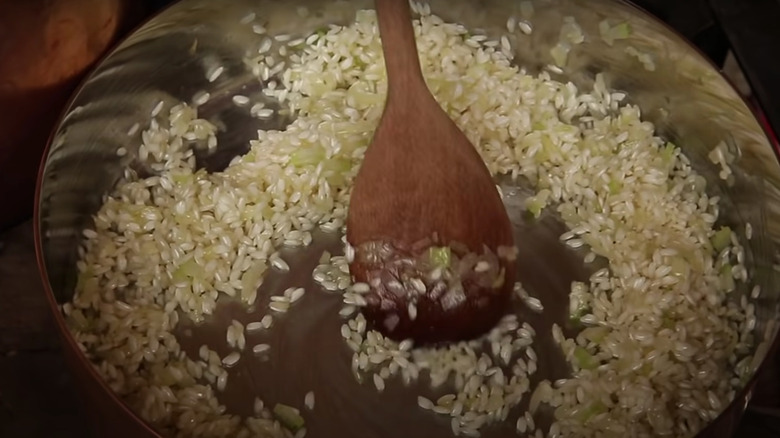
{"points": [[663, 349]]}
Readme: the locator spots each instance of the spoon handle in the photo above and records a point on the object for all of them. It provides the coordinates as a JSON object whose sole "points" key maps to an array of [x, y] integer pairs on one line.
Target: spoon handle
{"points": [[398, 45]]}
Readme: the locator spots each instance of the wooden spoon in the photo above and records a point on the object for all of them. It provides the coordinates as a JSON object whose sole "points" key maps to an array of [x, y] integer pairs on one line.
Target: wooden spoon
{"points": [[424, 208]]}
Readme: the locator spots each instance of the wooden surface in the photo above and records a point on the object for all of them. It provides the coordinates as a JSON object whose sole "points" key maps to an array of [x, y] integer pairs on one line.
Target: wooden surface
{"points": [[38, 397]]}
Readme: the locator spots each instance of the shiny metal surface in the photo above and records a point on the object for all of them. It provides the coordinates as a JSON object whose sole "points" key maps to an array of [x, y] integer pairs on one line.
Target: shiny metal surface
{"points": [[688, 100]]}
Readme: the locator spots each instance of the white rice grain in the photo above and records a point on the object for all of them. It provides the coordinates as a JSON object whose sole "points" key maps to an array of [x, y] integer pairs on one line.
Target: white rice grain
{"points": [[379, 383], [260, 348], [424, 403], [231, 359], [278, 262], [157, 108], [214, 74], [525, 27], [254, 327], [279, 306], [240, 100]]}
